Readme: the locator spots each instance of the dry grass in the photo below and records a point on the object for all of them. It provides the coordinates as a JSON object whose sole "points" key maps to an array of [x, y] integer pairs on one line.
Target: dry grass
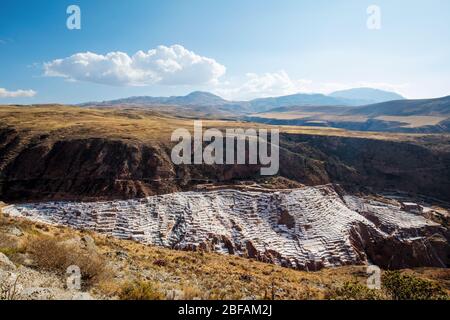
{"points": [[136, 124], [414, 121], [409, 121], [137, 271], [141, 290], [9, 289], [314, 116], [395, 285], [52, 255]]}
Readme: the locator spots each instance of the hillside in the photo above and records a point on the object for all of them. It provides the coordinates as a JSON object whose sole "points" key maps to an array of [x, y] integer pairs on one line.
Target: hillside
{"points": [[414, 116], [423, 107], [114, 166], [196, 98], [122, 269], [307, 228], [301, 99], [208, 100], [367, 95], [79, 153]]}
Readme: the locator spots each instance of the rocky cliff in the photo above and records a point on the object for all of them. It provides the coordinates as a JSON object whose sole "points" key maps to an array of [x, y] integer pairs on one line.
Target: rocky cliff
{"points": [[45, 166]]}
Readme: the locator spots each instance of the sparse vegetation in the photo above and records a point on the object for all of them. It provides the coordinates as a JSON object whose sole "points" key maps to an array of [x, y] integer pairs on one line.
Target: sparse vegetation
{"points": [[395, 286], [136, 271], [355, 291], [8, 288], [141, 290], [51, 255], [136, 123], [407, 287]]}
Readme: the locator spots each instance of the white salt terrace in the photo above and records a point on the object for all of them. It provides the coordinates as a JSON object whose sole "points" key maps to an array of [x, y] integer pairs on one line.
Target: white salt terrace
{"points": [[302, 228]]}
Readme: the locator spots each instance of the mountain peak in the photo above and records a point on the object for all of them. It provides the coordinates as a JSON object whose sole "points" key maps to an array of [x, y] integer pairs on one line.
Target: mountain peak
{"points": [[201, 98], [365, 95], [202, 94]]}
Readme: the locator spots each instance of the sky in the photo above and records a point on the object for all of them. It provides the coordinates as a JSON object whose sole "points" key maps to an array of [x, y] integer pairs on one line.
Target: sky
{"points": [[238, 49]]}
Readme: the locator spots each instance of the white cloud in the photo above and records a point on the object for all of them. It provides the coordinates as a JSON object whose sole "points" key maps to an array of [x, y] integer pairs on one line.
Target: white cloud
{"points": [[17, 94], [172, 65], [280, 83], [264, 85]]}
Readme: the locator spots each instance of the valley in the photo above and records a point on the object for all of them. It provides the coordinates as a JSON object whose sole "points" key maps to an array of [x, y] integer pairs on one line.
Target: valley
{"points": [[408, 116], [247, 150], [306, 229], [333, 204], [72, 153]]}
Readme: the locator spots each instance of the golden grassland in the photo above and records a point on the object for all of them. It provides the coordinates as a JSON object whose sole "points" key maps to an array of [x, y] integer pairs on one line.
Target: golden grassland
{"points": [[139, 124], [295, 115], [122, 269], [414, 121], [407, 121]]}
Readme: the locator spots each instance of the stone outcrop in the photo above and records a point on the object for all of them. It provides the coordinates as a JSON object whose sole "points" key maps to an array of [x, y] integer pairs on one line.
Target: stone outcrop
{"points": [[307, 228], [5, 263], [25, 283]]}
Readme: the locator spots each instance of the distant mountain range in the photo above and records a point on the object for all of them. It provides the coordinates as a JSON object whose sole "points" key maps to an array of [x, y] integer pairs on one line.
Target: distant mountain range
{"points": [[362, 109], [420, 116], [420, 107], [197, 98], [352, 97], [364, 96]]}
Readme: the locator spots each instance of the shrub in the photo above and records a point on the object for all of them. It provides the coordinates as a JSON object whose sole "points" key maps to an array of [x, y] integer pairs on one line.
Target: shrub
{"points": [[3, 220], [51, 255], [407, 287], [354, 291], [395, 285], [10, 251], [141, 290], [191, 293], [8, 288], [160, 262]]}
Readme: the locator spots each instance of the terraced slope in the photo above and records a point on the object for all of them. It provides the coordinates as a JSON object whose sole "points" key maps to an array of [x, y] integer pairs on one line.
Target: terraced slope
{"points": [[308, 228]]}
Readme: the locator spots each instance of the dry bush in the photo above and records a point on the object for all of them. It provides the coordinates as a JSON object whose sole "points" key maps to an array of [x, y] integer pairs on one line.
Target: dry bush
{"points": [[3, 220], [160, 262], [395, 286], [10, 245], [141, 290], [354, 291], [408, 287], [8, 288], [51, 255], [192, 292]]}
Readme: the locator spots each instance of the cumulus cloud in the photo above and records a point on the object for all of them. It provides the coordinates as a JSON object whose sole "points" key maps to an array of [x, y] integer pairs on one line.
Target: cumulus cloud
{"points": [[17, 94], [264, 85], [280, 83], [174, 65]]}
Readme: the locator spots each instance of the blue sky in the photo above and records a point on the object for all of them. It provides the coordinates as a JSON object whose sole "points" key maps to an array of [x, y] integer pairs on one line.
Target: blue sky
{"points": [[238, 49]]}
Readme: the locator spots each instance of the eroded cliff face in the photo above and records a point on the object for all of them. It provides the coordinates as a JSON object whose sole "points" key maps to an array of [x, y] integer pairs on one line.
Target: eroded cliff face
{"points": [[40, 167], [307, 228], [379, 164]]}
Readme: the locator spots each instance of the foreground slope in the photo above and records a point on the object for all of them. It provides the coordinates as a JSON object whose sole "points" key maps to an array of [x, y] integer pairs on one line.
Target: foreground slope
{"points": [[129, 270]]}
